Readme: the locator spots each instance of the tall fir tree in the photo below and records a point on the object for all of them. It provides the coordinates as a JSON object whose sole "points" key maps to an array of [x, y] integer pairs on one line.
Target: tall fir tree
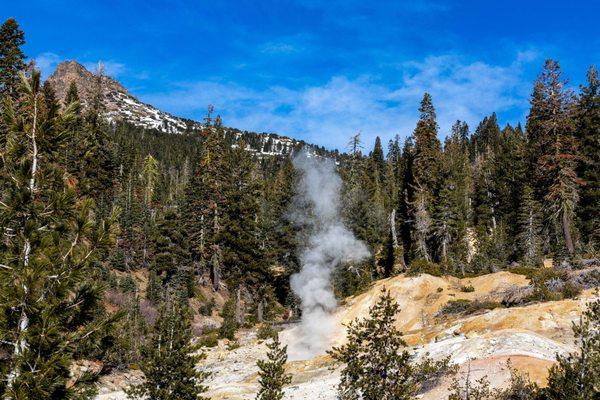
{"points": [[452, 210], [12, 58], [551, 122], [171, 260], [427, 153], [588, 133], [530, 229], [425, 170], [204, 200], [95, 151]]}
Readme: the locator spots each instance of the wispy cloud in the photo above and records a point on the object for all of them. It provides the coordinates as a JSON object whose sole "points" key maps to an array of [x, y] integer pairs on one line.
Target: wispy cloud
{"points": [[47, 62], [110, 68], [328, 114], [280, 47]]}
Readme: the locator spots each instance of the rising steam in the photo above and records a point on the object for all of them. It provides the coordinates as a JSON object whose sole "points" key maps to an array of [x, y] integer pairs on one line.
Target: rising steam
{"points": [[329, 244]]}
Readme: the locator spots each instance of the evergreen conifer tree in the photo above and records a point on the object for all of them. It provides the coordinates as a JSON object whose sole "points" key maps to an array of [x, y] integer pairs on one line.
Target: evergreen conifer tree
{"points": [[551, 130], [11, 57], [427, 151], [529, 238], [47, 296], [376, 365], [425, 171], [272, 376], [171, 256], [169, 363], [588, 133]]}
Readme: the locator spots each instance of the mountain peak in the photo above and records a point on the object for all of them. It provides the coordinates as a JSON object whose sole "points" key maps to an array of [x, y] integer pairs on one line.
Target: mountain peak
{"points": [[120, 105], [72, 71], [118, 102]]}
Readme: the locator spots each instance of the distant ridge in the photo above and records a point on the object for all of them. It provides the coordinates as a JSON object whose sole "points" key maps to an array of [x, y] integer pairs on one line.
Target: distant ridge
{"points": [[120, 105]]}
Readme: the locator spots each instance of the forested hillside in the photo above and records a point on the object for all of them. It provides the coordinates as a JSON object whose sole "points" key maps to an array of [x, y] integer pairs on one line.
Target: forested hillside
{"points": [[111, 227]]}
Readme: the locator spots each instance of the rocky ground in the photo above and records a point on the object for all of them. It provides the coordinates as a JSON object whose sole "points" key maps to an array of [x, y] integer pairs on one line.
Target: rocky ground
{"points": [[530, 336]]}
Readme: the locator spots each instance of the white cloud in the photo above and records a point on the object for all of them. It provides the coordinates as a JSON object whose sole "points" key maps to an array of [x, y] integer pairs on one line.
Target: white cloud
{"points": [[279, 48], [111, 68], [330, 113], [47, 62]]}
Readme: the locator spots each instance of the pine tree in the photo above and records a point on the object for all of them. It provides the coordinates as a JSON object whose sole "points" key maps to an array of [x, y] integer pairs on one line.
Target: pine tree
{"points": [[422, 225], [272, 376], [510, 179], [376, 365], [588, 133], [427, 148], [355, 198], [529, 238], [452, 208], [229, 326], [48, 295], [150, 174], [406, 194], [169, 363], [72, 99], [171, 258], [243, 256], [425, 171], [378, 159], [11, 57], [204, 197], [551, 134], [95, 151], [487, 137]]}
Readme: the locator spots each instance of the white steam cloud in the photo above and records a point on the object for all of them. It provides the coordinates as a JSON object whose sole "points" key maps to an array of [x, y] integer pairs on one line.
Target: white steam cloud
{"points": [[330, 243]]}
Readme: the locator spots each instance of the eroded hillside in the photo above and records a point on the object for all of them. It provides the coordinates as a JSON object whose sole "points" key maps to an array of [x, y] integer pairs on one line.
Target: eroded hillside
{"points": [[481, 341]]}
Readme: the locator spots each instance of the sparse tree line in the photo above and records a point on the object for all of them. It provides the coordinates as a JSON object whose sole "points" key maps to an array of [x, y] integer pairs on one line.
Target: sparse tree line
{"points": [[85, 205]]}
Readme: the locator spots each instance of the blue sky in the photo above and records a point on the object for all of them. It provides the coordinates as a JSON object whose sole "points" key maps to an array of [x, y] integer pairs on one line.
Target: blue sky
{"points": [[320, 70]]}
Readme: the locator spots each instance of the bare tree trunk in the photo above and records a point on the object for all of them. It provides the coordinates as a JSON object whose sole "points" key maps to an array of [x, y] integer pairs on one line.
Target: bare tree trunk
{"points": [[261, 310], [215, 273], [393, 228], [238, 306], [567, 232]]}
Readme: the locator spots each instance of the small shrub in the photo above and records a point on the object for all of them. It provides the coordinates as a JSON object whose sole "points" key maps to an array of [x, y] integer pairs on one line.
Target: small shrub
{"points": [[234, 344], [467, 289], [440, 290], [207, 307], [127, 284], [524, 270], [517, 295], [266, 331], [455, 307], [464, 306], [420, 266], [111, 280], [551, 284], [148, 311], [209, 339], [588, 280], [117, 298]]}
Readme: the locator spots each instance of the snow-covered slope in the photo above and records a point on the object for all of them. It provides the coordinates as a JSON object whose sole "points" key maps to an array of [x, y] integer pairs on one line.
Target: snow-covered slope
{"points": [[120, 105]]}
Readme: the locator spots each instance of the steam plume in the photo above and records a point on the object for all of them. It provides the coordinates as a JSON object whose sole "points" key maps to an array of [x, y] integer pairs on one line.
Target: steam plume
{"points": [[330, 243]]}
